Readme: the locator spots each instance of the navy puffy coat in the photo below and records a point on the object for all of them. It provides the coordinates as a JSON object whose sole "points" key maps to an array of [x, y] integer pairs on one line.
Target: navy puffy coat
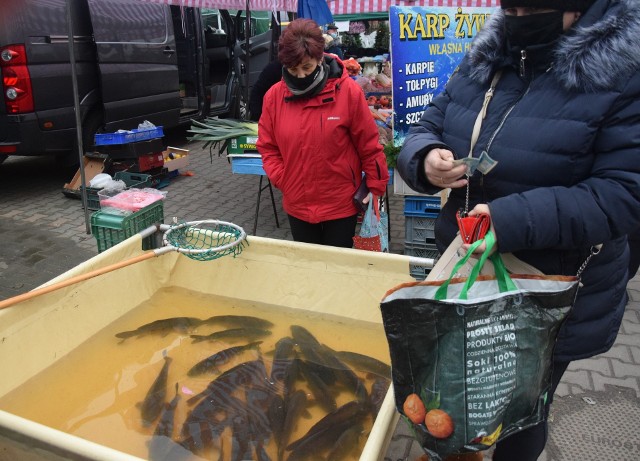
{"points": [[566, 136]]}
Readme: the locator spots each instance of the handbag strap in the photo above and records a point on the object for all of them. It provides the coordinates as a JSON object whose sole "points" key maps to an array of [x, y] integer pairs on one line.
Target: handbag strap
{"points": [[373, 205], [502, 275], [478, 124], [483, 111]]}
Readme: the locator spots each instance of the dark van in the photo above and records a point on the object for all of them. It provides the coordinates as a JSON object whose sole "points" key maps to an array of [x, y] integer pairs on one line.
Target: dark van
{"points": [[135, 61]]}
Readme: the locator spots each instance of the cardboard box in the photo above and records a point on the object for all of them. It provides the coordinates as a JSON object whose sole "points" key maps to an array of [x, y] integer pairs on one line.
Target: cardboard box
{"points": [[175, 159], [92, 167], [243, 145]]}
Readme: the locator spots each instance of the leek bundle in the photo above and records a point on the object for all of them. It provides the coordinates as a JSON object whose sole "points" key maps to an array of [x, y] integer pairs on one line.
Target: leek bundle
{"points": [[214, 131]]}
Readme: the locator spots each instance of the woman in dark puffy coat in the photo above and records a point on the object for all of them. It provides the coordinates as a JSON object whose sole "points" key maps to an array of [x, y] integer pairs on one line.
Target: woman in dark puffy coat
{"points": [[564, 128]]}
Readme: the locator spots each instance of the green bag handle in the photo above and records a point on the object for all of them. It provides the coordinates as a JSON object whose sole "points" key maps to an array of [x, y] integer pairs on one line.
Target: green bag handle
{"points": [[502, 275]]}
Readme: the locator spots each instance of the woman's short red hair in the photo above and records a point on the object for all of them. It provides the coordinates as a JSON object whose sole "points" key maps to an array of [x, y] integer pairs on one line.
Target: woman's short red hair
{"points": [[301, 38]]}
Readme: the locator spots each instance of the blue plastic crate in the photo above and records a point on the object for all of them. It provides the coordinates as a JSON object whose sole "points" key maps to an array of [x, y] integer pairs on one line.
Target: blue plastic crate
{"points": [[246, 165], [419, 230], [104, 139], [427, 206]]}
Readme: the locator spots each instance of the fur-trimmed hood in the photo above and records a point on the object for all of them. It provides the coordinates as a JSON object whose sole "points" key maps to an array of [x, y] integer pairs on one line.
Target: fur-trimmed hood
{"points": [[602, 49]]}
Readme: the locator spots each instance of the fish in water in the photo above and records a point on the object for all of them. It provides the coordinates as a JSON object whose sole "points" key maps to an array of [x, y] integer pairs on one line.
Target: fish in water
{"points": [[379, 390], [365, 363], [276, 414], [234, 333], [212, 362], [163, 327], [165, 425], [282, 358], [346, 443], [295, 407], [153, 403], [312, 350], [326, 432], [251, 373], [321, 392], [344, 374], [239, 321], [161, 445]]}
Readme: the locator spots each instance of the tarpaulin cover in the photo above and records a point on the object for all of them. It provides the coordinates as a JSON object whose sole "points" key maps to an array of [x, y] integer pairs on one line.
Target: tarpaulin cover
{"points": [[38, 332]]}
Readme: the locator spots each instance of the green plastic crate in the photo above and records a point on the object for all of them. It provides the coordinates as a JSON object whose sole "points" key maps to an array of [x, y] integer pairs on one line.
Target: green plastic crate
{"points": [[111, 229]]}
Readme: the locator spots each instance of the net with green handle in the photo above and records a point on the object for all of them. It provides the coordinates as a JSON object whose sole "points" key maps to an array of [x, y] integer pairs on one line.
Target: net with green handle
{"points": [[206, 240]]}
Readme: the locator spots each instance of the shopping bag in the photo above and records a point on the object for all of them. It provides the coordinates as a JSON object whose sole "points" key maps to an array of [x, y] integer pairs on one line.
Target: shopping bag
{"points": [[473, 354], [373, 235]]}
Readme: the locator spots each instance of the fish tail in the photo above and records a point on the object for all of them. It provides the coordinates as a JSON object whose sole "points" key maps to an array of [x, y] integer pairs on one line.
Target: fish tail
{"points": [[125, 334]]}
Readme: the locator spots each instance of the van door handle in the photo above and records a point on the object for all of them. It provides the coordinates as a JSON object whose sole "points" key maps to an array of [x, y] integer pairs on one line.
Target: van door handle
{"points": [[168, 51]]}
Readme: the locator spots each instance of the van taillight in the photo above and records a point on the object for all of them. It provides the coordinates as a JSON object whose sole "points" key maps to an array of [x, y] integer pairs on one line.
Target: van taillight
{"points": [[16, 81]]}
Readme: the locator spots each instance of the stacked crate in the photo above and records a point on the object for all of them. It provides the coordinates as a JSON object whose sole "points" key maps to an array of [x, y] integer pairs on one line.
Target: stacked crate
{"points": [[420, 216]]}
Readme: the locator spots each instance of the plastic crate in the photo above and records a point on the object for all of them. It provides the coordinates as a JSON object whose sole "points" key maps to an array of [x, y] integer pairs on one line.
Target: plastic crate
{"points": [[401, 188], [426, 206], [149, 161], [93, 201], [137, 180], [420, 251], [131, 150], [419, 230], [102, 139], [111, 229], [246, 164]]}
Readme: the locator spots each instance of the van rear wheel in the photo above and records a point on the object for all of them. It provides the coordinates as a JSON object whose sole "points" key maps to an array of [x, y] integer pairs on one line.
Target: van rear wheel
{"points": [[93, 123]]}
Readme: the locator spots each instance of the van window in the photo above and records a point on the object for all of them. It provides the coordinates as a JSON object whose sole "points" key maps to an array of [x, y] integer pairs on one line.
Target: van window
{"points": [[260, 22], [212, 20], [129, 22]]}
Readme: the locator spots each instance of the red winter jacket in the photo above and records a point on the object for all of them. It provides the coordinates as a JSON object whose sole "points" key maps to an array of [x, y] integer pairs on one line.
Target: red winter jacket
{"points": [[314, 150]]}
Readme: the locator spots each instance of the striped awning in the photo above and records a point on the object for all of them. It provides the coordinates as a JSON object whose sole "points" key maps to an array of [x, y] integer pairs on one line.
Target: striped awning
{"points": [[338, 7], [260, 5]]}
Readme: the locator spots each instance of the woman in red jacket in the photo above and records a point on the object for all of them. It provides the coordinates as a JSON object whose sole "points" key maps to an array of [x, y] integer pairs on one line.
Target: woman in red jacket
{"points": [[316, 137]]}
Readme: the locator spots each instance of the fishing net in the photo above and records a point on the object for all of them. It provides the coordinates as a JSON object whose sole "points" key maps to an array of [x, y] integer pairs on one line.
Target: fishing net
{"points": [[206, 240]]}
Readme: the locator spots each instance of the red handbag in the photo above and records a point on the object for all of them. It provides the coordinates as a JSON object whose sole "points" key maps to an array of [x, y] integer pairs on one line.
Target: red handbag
{"points": [[472, 228]]}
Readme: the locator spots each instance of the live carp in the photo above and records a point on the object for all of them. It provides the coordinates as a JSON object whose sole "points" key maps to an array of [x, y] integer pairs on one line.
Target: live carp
{"points": [[234, 333], [212, 362], [153, 403], [163, 327]]}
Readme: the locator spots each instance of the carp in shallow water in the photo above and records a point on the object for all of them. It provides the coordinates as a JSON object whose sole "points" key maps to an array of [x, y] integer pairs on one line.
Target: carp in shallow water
{"points": [[240, 321], [234, 333], [163, 327], [212, 362], [153, 403]]}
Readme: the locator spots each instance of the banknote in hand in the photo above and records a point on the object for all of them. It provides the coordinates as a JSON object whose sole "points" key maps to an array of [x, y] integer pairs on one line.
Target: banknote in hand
{"points": [[470, 162]]}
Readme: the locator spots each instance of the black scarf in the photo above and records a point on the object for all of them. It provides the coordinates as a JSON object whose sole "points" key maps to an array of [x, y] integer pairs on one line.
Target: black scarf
{"points": [[315, 87]]}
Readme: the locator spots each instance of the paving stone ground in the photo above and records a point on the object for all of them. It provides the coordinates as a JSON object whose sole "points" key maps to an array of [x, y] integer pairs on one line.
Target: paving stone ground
{"points": [[44, 233]]}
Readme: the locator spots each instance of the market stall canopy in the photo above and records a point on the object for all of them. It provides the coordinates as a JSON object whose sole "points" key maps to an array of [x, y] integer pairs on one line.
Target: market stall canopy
{"points": [[318, 10], [359, 7], [261, 5]]}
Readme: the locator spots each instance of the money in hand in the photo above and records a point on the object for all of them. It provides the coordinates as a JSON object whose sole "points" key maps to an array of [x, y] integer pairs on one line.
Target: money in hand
{"points": [[472, 164], [486, 163]]}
